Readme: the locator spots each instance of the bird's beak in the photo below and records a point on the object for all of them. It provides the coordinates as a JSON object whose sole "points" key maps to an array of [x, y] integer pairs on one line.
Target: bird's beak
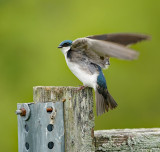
{"points": [[59, 46]]}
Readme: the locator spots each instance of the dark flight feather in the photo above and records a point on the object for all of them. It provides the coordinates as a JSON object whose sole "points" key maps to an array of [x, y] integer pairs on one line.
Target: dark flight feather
{"points": [[121, 38], [104, 101]]}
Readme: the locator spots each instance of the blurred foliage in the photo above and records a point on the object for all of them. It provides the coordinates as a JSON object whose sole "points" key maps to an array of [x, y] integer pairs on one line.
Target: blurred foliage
{"points": [[30, 32]]}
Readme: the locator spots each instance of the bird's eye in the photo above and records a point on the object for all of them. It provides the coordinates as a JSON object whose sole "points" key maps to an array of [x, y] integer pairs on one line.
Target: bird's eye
{"points": [[66, 44]]}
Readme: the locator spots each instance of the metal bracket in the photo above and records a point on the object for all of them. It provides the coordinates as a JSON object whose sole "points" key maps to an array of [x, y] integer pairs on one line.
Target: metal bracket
{"points": [[44, 128]]}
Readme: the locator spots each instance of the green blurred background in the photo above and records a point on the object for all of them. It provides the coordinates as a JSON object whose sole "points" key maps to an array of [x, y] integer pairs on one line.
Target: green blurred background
{"points": [[30, 32]]}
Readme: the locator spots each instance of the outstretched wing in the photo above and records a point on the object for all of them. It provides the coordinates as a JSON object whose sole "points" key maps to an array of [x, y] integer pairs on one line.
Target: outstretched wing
{"points": [[99, 51], [121, 38]]}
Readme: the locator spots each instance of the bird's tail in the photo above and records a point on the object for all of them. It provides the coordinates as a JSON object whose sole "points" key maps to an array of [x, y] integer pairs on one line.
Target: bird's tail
{"points": [[104, 102]]}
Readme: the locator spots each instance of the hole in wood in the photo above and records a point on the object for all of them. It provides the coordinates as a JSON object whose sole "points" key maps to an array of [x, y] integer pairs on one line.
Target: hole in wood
{"points": [[50, 145], [50, 127], [27, 145]]}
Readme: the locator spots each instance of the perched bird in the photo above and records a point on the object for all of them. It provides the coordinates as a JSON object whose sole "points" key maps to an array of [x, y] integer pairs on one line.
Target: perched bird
{"points": [[86, 57]]}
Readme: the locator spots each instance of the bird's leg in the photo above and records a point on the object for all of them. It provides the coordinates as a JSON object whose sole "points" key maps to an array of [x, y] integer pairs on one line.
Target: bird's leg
{"points": [[81, 88]]}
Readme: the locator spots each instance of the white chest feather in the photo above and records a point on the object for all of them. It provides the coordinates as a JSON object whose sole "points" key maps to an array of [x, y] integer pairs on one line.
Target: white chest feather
{"points": [[86, 78]]}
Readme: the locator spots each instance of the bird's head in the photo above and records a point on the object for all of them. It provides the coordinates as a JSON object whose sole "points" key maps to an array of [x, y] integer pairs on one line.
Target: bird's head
{"points": [[65, 46]]}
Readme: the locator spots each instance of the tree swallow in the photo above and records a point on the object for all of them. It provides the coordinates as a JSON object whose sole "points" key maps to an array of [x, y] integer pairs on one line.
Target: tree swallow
{"points": [[86, 57]]}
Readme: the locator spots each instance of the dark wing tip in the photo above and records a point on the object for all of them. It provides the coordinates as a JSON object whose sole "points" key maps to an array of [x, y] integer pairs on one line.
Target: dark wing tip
{"points": [[147, 37], [121, 38], [142, 37]]}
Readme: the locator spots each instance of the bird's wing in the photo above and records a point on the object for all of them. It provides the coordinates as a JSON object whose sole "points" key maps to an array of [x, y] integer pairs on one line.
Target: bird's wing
{"points": [[121, 38], [98, 50]]}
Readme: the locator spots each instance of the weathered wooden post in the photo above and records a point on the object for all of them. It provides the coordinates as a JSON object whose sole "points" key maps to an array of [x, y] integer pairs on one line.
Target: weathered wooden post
{"points": [[60, 119]]}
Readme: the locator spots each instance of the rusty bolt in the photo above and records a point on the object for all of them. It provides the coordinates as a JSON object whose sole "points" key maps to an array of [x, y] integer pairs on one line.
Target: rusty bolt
{"points": [[21, 112], [49, 109]]}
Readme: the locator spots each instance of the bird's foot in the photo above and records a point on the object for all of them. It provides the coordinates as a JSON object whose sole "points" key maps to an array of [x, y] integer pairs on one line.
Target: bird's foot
{"points": [[81, 88]]}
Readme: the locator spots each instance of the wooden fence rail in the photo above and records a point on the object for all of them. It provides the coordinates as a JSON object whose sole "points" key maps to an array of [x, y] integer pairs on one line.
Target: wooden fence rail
{"points": [[126, 140], [62, 119]]}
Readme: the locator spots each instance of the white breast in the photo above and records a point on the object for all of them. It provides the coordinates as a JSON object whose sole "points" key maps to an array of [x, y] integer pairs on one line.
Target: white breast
{"points": [[87, 79]]}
